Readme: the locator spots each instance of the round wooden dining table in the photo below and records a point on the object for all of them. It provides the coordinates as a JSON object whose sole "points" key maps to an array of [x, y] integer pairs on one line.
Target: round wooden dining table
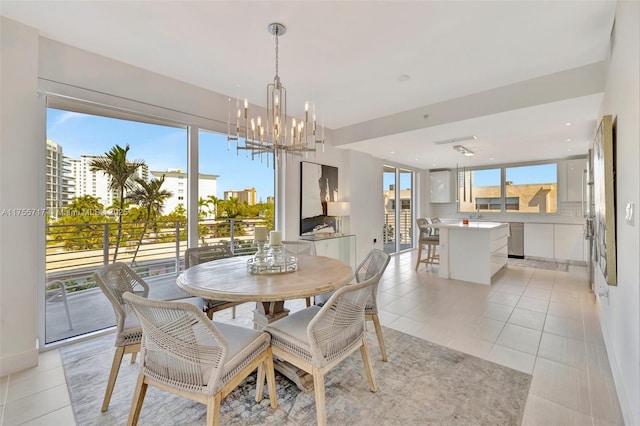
{"points": [[228, 279]]}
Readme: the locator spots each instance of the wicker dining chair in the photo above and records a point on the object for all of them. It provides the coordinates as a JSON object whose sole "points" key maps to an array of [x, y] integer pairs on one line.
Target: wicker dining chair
{"points": [[114, 280], [197, 255], [185, 353], [374, 265], [300, 247], [316, 339]]}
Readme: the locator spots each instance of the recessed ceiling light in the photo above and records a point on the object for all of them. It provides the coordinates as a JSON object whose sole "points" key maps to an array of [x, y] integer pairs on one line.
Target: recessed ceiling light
{"points": [[491, 158], [404, 77], [568, 139], [434, 164], [569, 149], [567, 124], [392, 152]]}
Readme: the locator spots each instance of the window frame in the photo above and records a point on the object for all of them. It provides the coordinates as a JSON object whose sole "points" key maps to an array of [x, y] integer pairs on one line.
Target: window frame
{"points": [[504, 199]]}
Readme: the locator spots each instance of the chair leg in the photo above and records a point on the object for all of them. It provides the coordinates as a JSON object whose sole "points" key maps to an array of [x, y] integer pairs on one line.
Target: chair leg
{"points": [[419, 254], [210, 313], [113, 375], [213, 410], [271, 380], [260, 381], [66, 308], [308, 299], [133, 357], [138, 399], [233, 312], [318, 386], [376, 324], [367, 365]]}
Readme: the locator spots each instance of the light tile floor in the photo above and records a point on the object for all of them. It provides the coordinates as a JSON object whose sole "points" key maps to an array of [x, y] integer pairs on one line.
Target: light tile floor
{"points": [[538, 321]]}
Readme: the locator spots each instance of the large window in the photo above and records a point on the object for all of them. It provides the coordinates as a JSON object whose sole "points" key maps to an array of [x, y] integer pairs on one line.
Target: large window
{"points": [[517, 189], [532, 189], [236, 193], [479, 190], [143, 223], [114, 194]]}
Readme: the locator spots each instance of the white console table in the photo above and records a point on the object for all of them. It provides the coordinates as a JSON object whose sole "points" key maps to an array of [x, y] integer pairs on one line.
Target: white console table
{"points": [[336, 246]]}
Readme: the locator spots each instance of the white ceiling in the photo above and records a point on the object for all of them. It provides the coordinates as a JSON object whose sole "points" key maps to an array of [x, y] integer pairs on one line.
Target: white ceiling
{"points": [[347, 57]]}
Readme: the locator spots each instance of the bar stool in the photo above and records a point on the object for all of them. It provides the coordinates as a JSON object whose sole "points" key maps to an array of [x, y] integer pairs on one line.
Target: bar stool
{"points": [[428, 237]]}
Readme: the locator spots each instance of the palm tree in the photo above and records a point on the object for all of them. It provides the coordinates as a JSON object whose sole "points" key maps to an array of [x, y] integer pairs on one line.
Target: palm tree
{"points": [[232, 207], [202, 215], [213, 201], [119, 171], [151, 197]]}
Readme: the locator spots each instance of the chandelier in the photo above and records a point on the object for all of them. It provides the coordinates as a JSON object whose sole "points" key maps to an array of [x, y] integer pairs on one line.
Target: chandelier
{"points": [[274, 134]]}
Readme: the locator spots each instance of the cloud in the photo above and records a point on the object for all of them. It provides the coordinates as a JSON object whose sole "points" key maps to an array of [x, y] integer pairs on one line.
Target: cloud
{"points": [[68, 115]]}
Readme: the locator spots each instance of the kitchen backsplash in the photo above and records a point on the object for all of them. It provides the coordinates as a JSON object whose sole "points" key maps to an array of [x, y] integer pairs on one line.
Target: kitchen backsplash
{"points": [[568, 212]]}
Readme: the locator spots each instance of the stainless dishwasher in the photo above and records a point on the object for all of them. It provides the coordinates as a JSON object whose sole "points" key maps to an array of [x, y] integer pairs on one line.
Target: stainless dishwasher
{"points": [[516, 240]]}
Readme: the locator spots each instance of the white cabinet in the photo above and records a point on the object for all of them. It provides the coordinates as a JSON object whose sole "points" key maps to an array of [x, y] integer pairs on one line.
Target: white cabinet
{"points": [[441, 191], [341, 247], [568, 242], [575, 179], [538, 240], [554, 241]]}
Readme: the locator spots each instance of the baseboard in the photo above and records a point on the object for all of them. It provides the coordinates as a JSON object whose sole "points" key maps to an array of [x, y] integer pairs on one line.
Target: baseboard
{"points": [[18, 362], [616, 372]]}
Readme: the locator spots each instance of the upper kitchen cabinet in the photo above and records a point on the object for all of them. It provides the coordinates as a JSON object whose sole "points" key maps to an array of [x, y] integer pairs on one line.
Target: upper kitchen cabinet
{"points": [[575, 173], [441, 188]]}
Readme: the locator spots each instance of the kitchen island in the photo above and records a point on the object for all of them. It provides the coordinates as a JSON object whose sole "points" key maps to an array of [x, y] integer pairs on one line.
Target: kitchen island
{"points": [[473, 252]]}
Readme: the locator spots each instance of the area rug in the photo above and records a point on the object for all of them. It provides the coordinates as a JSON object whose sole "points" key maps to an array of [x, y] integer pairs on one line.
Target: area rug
{"points": [[539, 264], [421, 384]]}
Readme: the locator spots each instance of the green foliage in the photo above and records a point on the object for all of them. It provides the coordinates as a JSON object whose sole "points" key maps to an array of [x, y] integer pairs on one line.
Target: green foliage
{"points": [[81, 227]]}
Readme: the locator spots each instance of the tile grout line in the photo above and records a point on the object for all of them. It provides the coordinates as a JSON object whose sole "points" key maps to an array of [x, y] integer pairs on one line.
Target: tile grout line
{"points": [[535, 362]]}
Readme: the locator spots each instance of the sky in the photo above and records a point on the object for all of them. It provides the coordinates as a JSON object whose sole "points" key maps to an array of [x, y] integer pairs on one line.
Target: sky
{"points": [[161, 148], [542, 173], [389, 179]]}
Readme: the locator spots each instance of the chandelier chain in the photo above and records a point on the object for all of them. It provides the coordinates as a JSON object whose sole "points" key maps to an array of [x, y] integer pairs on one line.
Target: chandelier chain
{"points": [[276, 54]]}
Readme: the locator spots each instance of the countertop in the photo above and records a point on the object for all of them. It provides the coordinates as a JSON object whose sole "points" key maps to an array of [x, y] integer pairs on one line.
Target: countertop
{"points": [[471, 225]]}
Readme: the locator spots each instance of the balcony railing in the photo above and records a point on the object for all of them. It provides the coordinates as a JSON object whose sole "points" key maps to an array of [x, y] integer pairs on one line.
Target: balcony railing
{"points": [[75, 251], [389, 231]]}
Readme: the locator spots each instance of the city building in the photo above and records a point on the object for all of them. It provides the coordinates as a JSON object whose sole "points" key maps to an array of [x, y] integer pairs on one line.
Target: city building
{"points": [[247, 195], [60, 185], [96, 183], [175, 181]]}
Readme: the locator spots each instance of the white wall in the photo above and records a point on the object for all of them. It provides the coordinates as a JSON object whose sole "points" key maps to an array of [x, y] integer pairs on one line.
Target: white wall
{"points": [[620, 312], [359, 183], [22, 139], [367, 202]]}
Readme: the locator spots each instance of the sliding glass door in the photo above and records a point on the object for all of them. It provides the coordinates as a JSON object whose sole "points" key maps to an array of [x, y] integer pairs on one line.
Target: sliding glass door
{"points": [[398, 209]]}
